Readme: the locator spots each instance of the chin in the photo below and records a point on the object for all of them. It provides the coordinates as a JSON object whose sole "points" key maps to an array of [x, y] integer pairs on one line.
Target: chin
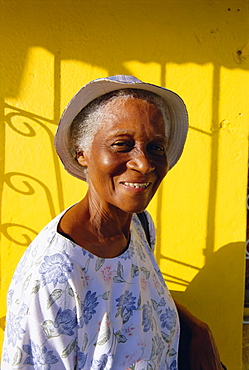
{"points": [[135, 208]]}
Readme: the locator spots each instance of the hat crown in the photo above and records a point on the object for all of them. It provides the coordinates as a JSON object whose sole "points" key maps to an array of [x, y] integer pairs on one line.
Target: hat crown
{"points": [[125, 79]]}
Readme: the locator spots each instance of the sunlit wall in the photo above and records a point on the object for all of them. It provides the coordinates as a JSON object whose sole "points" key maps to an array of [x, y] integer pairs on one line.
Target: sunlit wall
{"points": [[49, 49]]}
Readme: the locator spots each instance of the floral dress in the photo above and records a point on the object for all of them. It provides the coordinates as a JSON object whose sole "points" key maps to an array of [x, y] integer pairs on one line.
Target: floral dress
{"points": [[68, 309]]}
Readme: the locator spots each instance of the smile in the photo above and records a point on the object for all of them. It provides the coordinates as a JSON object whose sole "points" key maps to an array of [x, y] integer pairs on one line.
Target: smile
{"points": [[137, 185]]}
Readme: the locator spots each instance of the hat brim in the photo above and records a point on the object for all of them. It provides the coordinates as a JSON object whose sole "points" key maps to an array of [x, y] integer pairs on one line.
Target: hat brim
{"points": [[178, 118]]}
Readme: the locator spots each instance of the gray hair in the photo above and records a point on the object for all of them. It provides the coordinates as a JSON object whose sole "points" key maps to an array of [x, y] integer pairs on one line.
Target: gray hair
{"points": [[88, 121]]}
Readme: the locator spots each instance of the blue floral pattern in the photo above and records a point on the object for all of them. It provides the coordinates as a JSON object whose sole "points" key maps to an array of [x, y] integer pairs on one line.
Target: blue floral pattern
{"points": [[66, 321], [14, 329], [147, 322], [104, 363], [81, 360], [88, 307], [126, 305], [55, 269], [168, 319], [70, 309], [39, 357]]}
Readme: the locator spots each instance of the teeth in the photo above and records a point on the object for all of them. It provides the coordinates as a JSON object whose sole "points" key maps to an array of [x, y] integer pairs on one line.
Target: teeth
{"points": [[137, 185]]}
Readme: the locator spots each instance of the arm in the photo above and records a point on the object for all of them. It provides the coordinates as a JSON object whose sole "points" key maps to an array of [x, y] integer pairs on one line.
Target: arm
{"points": [[197, 348], [40, 331]]}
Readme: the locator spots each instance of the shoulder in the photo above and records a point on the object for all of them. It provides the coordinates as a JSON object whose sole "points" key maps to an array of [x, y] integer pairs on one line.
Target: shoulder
{"points": [[49, 260]]}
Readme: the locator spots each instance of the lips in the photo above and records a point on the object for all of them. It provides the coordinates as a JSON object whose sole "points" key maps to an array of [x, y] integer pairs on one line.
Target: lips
{"points": [[136, 185]]}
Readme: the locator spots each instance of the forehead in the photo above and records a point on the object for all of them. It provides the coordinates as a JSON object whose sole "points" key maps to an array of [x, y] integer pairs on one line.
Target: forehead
{"points": [[127, 111], [128, 101]]}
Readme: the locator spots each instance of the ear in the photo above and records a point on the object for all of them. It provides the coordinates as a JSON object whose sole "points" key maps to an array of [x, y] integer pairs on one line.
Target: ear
{"points": [[81, 158]]}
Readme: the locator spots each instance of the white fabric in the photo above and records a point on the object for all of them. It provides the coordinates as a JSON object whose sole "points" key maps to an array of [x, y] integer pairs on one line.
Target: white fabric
{"points": [[68, 309]]}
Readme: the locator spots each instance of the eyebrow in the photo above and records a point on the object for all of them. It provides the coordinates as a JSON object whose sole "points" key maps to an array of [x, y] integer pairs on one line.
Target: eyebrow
{"points": [[161, 137], [130, 132]]}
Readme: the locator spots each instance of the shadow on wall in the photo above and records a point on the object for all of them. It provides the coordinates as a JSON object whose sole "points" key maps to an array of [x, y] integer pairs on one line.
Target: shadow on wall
{"points": [[205, 296]]}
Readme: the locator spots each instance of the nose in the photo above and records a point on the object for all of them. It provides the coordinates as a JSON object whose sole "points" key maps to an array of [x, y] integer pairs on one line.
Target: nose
{"points": [[140, 162]]}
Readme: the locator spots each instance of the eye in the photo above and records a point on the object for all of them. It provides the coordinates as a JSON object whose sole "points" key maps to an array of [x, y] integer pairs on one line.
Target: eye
{"points": [[157, 149], [121, 146]]}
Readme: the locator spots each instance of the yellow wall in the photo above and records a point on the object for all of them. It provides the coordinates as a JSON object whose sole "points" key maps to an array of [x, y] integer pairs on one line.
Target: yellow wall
{"points": [[200, 49]]}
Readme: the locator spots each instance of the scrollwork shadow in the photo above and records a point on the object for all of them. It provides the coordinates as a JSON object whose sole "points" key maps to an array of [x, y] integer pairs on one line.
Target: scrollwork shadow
{"points": [[8, 119], [8, 178], [27, 239], [31, 133]]}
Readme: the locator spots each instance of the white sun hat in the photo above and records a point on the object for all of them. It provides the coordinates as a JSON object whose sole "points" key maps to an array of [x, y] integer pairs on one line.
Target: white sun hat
{"points": [[177, 115]]}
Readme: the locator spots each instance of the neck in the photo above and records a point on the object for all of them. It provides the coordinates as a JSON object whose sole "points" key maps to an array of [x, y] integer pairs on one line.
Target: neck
{"points": [[106, 221], [103, 231]]}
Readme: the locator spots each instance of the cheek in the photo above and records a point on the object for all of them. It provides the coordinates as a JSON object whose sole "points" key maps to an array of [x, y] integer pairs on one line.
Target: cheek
{"points": [[162, 168], [106, 161], [106, 165], [165, 170], [112, 164]]}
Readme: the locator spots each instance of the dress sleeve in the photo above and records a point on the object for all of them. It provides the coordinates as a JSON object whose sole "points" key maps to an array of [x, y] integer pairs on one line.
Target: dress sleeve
{"points": [[43, 318]]}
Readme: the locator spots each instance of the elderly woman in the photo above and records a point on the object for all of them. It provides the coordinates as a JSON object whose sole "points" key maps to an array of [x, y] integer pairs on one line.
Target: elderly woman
{"points": [[88, 293]]}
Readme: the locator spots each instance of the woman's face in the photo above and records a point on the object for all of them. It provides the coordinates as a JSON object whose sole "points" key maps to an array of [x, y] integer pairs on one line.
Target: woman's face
{"points": [[127, 160]]}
